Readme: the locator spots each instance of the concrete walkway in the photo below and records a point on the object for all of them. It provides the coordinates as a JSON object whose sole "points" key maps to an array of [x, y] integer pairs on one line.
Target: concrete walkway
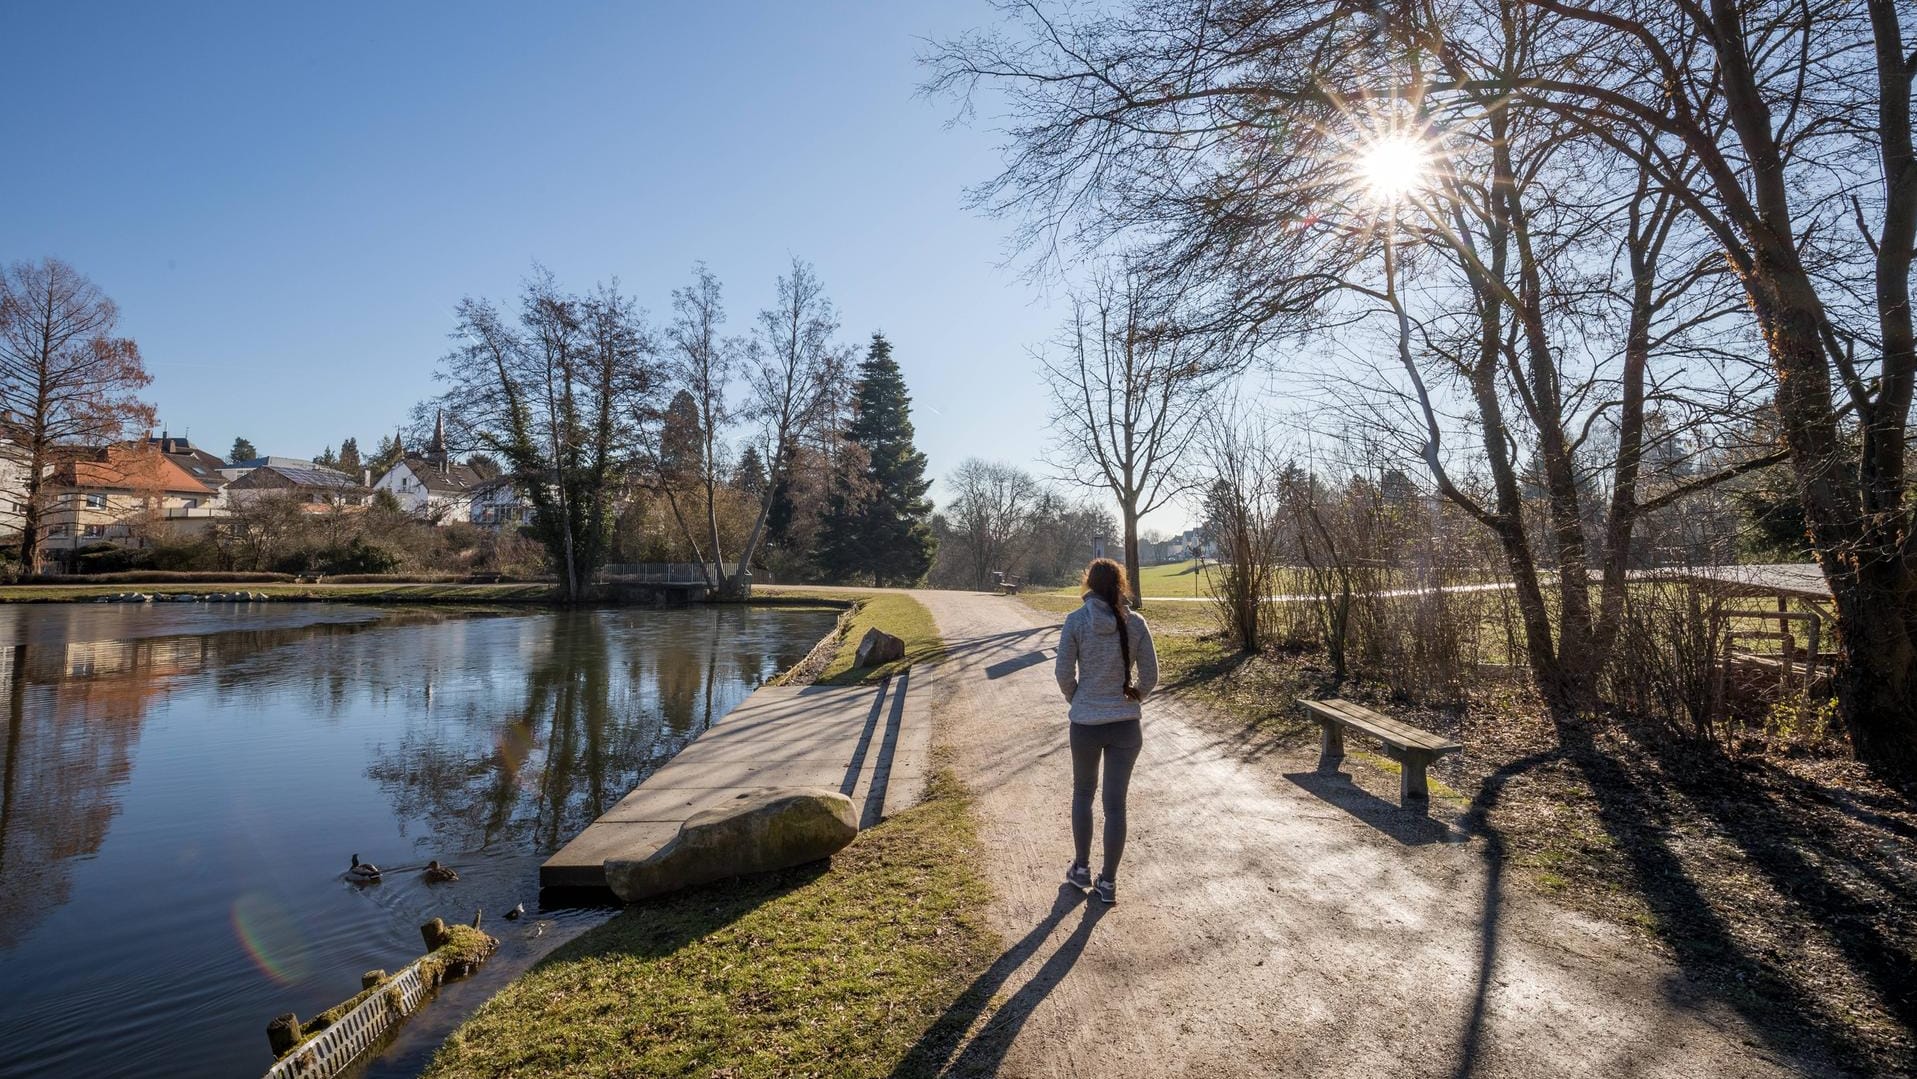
{"points": [[1271, 922], [867, 742]]}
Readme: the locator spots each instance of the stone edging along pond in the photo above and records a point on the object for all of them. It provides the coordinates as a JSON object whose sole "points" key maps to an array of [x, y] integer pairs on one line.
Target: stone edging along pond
{"points": [[340, 1036]]}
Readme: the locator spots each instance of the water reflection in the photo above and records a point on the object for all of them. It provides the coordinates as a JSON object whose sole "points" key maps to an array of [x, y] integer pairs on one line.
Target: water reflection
{"points": [[183, 784]]}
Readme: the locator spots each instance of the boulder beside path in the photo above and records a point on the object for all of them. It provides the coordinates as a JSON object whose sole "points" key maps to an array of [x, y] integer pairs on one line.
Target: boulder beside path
{"points": [[760, 832], [878, 646]]}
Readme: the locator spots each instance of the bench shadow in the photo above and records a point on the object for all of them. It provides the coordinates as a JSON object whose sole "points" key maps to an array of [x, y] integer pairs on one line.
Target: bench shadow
{"points": [[943, 1050], [1411, 827]]}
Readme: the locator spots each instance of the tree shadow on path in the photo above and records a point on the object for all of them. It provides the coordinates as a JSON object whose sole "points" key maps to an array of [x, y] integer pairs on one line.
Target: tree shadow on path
{"points": [[944, 1049], [1824, 888]]}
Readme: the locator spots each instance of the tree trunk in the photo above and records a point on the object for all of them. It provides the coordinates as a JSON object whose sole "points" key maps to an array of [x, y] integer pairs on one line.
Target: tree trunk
{"points": [[739, 589], [1877, 679], [1129, 509], [1873, 586]]}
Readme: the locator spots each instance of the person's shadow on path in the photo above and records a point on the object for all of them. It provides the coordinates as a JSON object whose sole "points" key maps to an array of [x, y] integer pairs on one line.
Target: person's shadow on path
{"points": [[939, 1052]]}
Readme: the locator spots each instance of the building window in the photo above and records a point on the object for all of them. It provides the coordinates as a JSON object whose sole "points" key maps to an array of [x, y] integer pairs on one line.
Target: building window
{"points": [[95, 531], [96, 502], [191, 504], [57, 530]]}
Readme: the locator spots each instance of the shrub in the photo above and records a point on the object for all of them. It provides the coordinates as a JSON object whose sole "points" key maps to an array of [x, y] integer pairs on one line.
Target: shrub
{"points": [[355, 557]]}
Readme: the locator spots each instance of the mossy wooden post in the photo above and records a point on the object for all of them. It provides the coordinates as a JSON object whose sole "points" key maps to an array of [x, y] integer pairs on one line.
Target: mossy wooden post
{"points": [[283, 1033]]}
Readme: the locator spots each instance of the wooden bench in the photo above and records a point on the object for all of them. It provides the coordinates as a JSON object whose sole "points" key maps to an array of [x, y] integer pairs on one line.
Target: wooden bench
{"points": [[1413, 749]]}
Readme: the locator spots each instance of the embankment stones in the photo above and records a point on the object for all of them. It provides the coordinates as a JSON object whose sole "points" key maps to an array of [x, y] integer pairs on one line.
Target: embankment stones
{"points": [[878, 646], [761, 831]]}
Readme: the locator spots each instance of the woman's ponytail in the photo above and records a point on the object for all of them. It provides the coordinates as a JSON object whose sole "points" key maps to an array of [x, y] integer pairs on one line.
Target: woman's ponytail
{"points": [[1105, 579]]}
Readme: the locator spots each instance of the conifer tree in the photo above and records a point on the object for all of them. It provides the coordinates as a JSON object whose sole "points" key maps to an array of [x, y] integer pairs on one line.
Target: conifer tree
{"points": [[878, 524]]}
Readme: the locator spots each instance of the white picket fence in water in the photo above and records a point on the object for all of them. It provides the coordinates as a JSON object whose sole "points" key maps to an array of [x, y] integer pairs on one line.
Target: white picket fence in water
{"points": [[340, 1046]]}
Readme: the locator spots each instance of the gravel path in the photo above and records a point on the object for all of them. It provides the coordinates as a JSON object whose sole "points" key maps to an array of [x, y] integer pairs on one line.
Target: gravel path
{"points": [[1271, 922]]}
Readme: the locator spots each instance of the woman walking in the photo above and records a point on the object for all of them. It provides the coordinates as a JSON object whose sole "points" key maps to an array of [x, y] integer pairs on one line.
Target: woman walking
{"points": [[1097, 650]]}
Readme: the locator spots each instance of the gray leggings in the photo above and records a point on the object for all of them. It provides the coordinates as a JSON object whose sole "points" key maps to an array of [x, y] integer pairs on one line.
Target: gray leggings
{"points": [[1120, 743]]}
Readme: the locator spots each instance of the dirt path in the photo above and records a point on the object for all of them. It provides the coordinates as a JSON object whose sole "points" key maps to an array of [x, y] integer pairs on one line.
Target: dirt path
{"points": [[1271, 922]]}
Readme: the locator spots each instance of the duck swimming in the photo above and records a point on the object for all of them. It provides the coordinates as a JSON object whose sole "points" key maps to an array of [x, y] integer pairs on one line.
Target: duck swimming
{"points": [[439, 874], [362, 872], [518, 909]]}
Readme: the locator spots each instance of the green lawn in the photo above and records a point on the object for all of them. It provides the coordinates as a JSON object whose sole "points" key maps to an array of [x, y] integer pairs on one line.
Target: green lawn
{"points": [[810, 972]]}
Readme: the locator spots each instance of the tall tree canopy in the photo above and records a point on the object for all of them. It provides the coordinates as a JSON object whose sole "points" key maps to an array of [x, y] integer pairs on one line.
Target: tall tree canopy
{"points": [[556, 395]]}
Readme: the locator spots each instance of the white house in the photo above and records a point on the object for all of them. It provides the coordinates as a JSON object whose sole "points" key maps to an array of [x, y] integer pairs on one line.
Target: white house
{"points": [[430, 484]]}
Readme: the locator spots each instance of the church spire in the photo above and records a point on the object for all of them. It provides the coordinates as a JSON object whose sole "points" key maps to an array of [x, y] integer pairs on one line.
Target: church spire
{"points": [[436, 449]]}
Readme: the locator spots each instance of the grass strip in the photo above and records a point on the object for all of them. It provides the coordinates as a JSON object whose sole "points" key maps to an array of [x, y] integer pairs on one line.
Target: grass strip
{"points": [[809, 972], [896, 613]]}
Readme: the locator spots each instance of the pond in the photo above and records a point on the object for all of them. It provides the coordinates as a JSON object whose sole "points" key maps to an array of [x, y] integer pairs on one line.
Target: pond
{"points": [[185, 784]]}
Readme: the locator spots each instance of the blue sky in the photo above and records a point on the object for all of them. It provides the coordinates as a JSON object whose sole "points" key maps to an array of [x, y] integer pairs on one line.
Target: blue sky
{"points": [[287, 200]]}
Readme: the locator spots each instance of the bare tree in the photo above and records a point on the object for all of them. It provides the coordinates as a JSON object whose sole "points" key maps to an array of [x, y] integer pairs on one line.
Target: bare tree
{"points": [[1125, 399], [1798, 115], [1242, 509], [702, 362], [990, 511], [66, 382], [557, 398], [797, 368], [1245, 145]]}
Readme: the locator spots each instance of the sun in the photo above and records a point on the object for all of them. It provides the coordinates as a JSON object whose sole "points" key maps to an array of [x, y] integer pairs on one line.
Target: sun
{"points": [[1392, 167]]}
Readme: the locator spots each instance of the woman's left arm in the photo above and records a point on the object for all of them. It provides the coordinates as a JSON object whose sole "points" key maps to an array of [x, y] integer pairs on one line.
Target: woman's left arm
{"points": [[1147, 656]]}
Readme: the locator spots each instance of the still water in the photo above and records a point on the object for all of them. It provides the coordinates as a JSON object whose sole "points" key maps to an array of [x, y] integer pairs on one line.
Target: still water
{"points": [[185, 783]]}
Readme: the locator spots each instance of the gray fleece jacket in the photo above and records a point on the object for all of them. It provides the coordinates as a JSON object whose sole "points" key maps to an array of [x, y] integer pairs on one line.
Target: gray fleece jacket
{"points": [[1090, 673]]}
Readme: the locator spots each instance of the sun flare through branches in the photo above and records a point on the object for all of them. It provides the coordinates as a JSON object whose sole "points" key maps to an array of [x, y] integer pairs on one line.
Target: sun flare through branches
{"points": [[1392, 167]]}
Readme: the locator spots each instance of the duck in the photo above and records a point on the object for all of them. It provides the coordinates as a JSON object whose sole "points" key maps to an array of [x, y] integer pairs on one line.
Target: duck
{"points": [[439, 874], [362, 872], [513, 914]]}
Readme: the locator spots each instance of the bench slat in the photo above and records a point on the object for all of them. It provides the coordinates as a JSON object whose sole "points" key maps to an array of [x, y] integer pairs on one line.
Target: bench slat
{"points": [[1381, 726]]}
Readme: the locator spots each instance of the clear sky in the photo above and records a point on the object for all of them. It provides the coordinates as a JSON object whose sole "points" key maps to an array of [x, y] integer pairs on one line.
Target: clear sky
{"points": [[287, 200]]}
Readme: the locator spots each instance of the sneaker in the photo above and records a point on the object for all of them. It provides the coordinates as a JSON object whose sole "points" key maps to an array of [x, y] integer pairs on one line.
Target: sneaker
{"points": [[1105, 891], [1079, 876]]}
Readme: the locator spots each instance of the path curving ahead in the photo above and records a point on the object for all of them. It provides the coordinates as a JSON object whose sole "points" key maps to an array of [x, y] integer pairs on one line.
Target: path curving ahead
{"points": [[1264, 928]]}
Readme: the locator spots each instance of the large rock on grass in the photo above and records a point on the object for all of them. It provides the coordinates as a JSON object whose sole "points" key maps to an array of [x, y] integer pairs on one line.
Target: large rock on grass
{"points": [[878, 646], [774, 829]]}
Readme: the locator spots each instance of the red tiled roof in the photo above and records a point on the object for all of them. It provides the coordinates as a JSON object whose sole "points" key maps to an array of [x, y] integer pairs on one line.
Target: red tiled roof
{"points": [[121, 468]]}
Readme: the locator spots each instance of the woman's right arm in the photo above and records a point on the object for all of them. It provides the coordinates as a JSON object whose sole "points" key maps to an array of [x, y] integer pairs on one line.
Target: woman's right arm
{"points": [[1066, 666]]}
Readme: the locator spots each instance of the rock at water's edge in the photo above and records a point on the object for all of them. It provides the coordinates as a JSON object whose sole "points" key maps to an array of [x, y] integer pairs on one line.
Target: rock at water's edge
{"points": [[878, 646], [773, 829]]}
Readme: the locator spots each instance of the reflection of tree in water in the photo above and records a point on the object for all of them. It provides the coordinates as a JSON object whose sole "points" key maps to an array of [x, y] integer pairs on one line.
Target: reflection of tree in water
{"points": [[594, 721], [74, 706]]}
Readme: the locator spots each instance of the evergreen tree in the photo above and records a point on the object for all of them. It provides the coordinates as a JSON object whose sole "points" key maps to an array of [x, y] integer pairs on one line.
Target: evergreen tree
{"points": [[349, 461], [327, 458], [242, 451], [878, 523], [749, 475]]}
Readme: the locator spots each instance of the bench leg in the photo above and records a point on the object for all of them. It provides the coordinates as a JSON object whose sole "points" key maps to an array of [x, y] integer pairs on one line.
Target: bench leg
{"points": [[1411, 784], [1331, 745]]}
